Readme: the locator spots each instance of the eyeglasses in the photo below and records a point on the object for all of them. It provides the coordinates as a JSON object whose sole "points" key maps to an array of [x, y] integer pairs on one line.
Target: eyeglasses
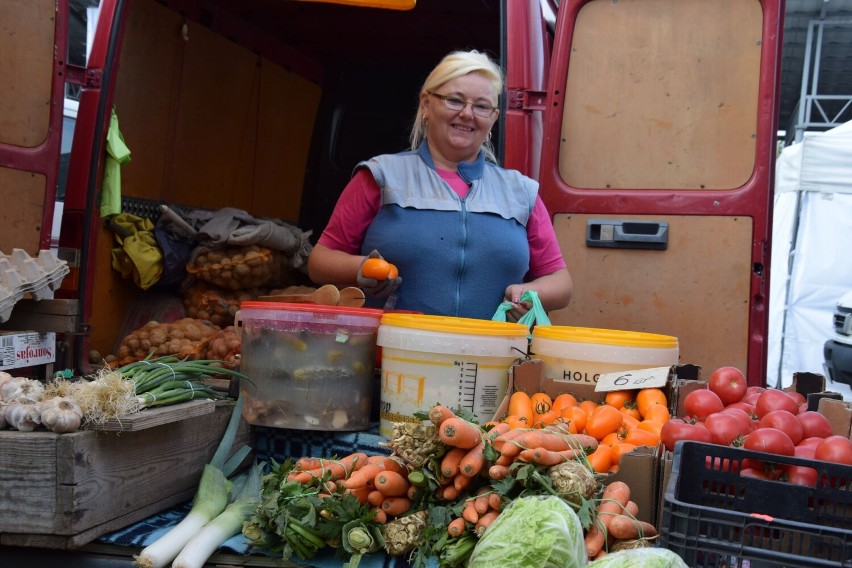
{"points": [[456, 104]]}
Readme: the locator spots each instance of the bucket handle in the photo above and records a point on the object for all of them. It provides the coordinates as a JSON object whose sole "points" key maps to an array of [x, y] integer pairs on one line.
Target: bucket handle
{"points": [[536, 315]]}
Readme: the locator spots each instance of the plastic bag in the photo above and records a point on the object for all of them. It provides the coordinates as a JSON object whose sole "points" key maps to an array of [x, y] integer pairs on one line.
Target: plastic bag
{"points": [[536, 315]]}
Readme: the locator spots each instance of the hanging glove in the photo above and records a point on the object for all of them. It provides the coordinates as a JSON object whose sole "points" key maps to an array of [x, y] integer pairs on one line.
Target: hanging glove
{"points": [[373, 287]]}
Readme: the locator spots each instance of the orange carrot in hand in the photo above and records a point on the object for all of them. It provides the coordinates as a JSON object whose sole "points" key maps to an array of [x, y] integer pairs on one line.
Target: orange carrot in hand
{"points": [[459, 433]]}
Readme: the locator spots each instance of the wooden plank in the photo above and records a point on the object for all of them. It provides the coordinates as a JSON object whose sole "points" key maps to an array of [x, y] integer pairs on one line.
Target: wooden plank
{"points": [[59, 316], [152, 417]]}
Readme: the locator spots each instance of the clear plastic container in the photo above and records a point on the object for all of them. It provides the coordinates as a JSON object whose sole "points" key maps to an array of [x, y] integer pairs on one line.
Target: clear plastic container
{"points": [[310, 367]]}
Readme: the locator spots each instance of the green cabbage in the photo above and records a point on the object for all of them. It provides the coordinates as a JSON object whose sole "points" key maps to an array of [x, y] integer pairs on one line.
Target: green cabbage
{"points": [[646, 557], [532, 532]]}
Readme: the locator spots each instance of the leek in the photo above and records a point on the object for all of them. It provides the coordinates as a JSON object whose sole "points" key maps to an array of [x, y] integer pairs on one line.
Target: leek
{"points": [[211, 498], [229, 523]]}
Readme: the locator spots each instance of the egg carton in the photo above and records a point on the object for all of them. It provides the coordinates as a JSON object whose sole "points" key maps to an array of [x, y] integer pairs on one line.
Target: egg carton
{"points": [[22, 275]]}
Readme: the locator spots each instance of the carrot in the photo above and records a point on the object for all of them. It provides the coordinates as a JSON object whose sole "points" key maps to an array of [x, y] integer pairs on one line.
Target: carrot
{"points": [[459, 433], [380, 517], [543, 456], [375, 498], [439, 413], [612, 503], [306, 463], [460, 482], [509, 437], [495, 502], [306, 477], [387, 463], [504, 460], [480, 502], [363, 477], [330, 486], [343, 468], [498, 472], [451, 461], [360, 493], [594, 540], [456, 527], [632, 508], [395, 506], [473, 460], [448, 492], [412, 491], [469, 512], [484, 522], [391, 484], [623, 527]]}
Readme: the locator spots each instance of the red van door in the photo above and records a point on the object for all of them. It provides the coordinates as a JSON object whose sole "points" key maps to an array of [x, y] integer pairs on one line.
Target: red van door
{"points": [[33, 44], [657, 167]]}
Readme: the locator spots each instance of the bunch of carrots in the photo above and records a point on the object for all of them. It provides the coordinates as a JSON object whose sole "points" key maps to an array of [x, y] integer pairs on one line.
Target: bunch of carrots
{"points": [[381, 481], [615, 521], [624, 420]]}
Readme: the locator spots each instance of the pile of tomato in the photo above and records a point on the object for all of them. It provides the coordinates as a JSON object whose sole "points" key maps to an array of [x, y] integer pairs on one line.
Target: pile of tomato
{"points": [[731, 413]]}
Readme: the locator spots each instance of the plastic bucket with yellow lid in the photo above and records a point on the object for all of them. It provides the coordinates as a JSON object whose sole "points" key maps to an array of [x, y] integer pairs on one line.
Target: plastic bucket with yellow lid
{"points": [[453, 361], [582, 354]]}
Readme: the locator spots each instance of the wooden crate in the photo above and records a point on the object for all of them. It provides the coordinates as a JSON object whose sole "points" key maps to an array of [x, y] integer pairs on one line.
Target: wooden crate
{"points": [[65, 490]]}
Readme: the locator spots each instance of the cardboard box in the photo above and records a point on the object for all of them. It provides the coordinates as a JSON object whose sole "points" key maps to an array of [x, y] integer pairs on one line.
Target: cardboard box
{"points": [[839, 414], [26, 349], [65, 490], [640, 469]]}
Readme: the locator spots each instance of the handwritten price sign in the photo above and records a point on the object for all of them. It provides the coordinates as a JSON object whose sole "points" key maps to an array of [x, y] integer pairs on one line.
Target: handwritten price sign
{"points": [[640, 379]]}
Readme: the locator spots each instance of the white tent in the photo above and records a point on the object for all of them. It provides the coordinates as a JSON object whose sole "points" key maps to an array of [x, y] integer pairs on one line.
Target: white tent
{"points": [[811, 251]]}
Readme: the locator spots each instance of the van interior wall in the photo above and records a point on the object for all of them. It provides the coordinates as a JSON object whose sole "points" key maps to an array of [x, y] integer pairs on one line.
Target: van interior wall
{"points": [[215, 120], [209, 125]]}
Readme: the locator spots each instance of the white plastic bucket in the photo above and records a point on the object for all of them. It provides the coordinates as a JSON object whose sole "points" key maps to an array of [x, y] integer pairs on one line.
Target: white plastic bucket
{"points": [[580, 354], [453, 361]]}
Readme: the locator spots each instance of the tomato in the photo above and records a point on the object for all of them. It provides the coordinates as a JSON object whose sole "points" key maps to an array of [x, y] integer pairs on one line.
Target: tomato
{"points": [[812, 441], [564, 400], [619, 398], [774, 399], [657, 412], [604, 420], [784, 421], [814, 424], [601, 459], [798, 397], [646, 398], [742, 405], [702, 403], [724, 428], [836, 449], [575, 416], [729, 383], [753, 472], [618, 450], [677, 429], [801, 475], [755, 390], [630, 410], [770, 440], [807, 452], [751, 398], [642, 437], [746, 423]]}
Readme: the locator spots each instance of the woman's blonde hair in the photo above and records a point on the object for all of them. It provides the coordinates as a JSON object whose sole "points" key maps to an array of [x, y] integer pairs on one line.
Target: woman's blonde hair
{"points": [[457, 64]]}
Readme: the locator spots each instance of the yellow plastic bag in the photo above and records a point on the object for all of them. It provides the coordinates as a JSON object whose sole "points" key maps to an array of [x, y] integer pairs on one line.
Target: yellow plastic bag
{"points": [[138, 256]]}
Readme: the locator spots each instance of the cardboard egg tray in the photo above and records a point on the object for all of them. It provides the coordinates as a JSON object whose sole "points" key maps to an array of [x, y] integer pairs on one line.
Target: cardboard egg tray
{"points": [[21, 275]]}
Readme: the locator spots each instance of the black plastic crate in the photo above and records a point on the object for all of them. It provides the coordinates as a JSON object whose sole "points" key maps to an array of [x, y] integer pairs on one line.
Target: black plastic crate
{"points": [[712, 516]]}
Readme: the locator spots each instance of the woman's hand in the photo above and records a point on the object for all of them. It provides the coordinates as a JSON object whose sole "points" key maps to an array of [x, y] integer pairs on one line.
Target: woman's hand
{"points": [[373, 287]]}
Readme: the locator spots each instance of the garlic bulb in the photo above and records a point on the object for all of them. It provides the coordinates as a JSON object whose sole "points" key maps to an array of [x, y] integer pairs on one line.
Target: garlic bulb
{"points": [[9, 386], [21, 389], [22, 416], [61, 415]]}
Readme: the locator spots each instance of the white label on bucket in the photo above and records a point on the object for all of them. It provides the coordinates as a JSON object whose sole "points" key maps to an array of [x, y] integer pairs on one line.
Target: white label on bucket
{"points": [[639, 379]]}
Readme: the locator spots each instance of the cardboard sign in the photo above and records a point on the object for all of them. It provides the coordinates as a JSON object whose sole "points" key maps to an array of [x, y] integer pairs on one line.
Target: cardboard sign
{"points": [[639, 379], [26, 349]]}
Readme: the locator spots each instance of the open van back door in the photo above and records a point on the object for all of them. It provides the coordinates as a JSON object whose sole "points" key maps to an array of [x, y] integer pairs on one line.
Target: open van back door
{"points": [[657, 166], [32, 67]]}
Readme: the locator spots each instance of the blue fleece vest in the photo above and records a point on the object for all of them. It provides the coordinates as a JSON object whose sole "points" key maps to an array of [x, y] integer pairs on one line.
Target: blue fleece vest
{"points": [[455, 256]]}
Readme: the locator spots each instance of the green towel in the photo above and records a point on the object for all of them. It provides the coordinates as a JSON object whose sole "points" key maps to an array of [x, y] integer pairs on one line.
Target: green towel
{"points": [[117, 154]]}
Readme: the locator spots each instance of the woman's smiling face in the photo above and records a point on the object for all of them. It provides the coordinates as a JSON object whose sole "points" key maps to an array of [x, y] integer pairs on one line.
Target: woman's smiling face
{"points": [[456, 136]]}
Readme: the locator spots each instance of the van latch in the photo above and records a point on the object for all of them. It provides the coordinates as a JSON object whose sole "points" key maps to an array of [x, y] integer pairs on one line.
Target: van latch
{"points": [[526, 100]]}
